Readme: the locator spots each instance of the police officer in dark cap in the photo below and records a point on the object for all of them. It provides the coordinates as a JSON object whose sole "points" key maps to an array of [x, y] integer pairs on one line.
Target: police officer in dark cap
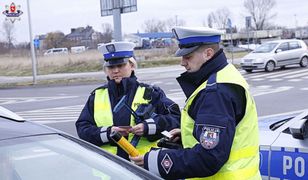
{"points": [[219, 125], [98, 120]]}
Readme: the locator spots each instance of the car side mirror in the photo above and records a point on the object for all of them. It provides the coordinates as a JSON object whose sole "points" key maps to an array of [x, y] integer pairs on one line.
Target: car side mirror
{"points": [[299, 129], [278, 50]]}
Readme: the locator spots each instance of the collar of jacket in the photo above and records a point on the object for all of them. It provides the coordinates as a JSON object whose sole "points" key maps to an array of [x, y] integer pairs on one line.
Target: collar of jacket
{"points": [[189, 82], [126, 85]]}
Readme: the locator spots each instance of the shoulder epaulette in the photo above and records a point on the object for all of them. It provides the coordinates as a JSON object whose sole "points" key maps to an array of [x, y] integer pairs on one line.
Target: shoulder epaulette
{"points": [[148, 91], [211, 83], [144, 85]]}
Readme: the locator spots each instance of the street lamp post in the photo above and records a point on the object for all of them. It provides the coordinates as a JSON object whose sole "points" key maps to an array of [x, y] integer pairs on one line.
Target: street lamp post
{"points": [[33, 57], [117, 20]]}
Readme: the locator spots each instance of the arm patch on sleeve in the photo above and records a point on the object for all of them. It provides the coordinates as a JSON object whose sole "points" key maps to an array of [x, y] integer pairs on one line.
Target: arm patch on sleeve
{"points": [[209, 137]]}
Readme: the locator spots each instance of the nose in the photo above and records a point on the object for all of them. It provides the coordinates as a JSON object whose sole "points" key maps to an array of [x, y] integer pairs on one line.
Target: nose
{"points": [[183, 62], [115, 69]]}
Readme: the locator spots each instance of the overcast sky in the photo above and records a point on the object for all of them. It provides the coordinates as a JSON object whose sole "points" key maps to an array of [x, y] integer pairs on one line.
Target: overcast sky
{"points": [[52, 15]]}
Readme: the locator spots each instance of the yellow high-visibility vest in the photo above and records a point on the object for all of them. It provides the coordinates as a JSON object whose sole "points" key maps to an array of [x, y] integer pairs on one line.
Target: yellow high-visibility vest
{"points": [[243, 162], [103, 117]]}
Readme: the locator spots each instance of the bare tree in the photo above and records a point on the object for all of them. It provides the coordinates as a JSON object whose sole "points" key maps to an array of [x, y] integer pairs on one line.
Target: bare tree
{"points": [[219, 18], [210, 21], [260, 11], [107, 33], [8, 31], [172, 22], [54, 39], [154, 25]]}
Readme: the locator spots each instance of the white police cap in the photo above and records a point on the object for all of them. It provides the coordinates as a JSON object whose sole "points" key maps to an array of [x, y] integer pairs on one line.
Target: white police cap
{"points": [[116, 53], [191, 38]]}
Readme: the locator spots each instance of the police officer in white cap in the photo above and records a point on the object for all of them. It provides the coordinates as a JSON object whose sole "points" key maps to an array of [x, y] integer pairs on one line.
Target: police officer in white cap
{"points": [[219, 128], [97, 119]]}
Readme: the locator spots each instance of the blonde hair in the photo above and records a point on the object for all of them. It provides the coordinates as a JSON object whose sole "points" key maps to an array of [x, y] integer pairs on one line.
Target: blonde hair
{"points": [[133, 61]]}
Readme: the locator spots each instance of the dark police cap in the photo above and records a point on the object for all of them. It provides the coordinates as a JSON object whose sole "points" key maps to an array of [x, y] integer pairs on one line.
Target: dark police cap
{"points": [[190, 39], [116, 53]]}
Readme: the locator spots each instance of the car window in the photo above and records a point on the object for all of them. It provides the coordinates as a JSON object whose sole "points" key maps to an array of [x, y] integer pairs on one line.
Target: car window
{"points": [[265, 48], [57, 50], [294, 45], [284, 46], [55, 157]]}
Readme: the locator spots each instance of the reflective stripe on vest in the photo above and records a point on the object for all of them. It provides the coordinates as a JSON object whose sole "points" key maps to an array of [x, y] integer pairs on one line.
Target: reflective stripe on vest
{"points": [[103, 117], [243, 162]]}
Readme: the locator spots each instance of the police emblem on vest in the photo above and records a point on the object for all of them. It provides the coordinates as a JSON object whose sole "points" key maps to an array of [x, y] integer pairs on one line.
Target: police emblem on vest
{"points": [[209, 137]]}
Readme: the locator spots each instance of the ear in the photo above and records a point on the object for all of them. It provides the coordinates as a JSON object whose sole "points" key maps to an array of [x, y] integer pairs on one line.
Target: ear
{"points": [[131, 65], [210, 52]]}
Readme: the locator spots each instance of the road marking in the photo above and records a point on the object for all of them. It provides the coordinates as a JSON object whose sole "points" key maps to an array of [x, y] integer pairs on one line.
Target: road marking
{"points": [[294, 80], [304, 89], [156, 82], [265, 74], [283, 114], [16, 100], [297, 75], [175, 90], [271, 75], [275, 79], [271, 91], [259, 79], [71, 113], [58, 114], [264, 86], [288, 73]]}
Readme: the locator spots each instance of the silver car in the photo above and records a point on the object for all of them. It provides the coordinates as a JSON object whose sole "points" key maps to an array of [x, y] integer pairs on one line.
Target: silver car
{"points": [[29, 151], [284, 146], [279, 53]]}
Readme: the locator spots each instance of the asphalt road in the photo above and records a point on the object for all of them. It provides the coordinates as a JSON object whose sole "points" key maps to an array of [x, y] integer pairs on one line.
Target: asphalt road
{"points": [[277, 92]]}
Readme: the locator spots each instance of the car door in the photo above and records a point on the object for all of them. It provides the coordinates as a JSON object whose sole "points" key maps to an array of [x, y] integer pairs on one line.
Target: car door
{"points": [[289, 158], [288, 155], [282, 54], [295, 52]]}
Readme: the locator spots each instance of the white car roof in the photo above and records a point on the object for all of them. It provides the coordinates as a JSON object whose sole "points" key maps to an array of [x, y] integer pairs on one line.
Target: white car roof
{"points": [[283, 40]]}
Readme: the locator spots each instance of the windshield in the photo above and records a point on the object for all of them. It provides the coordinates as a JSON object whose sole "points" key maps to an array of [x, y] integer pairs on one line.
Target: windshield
{"points": [[265, 48], [54, 157]]}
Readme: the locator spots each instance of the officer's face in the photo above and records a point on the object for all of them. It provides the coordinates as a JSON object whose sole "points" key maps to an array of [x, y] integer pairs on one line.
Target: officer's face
{"points": [[193, 61], [118, 72]]}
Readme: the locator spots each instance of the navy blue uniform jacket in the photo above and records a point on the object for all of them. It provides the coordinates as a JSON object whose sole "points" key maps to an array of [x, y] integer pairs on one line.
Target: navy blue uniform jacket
{"points": [[166, 115], [222, 108]]}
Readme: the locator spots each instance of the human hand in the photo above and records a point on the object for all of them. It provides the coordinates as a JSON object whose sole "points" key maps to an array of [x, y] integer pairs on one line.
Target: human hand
{"points": [[137, 129], [124, 130], [176, 135], [138, 160]]}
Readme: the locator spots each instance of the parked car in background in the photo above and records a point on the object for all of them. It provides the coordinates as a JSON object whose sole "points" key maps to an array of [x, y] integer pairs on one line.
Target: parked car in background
{"points": [[29, 151], [78, 49], [55, 51], [99, 45], [279, 53]]}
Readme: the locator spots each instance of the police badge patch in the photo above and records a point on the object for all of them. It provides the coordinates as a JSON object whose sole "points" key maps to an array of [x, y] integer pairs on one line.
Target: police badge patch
{"points": [[166, 163], [209, 137]]}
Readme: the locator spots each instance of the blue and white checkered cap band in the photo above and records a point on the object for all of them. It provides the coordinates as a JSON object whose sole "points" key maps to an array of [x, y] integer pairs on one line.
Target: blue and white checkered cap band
{"points": [[119, 54]]}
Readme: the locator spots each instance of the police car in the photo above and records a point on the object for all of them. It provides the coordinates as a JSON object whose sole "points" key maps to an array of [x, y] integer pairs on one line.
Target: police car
{"points": [[29, 151], [284, 146]]}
